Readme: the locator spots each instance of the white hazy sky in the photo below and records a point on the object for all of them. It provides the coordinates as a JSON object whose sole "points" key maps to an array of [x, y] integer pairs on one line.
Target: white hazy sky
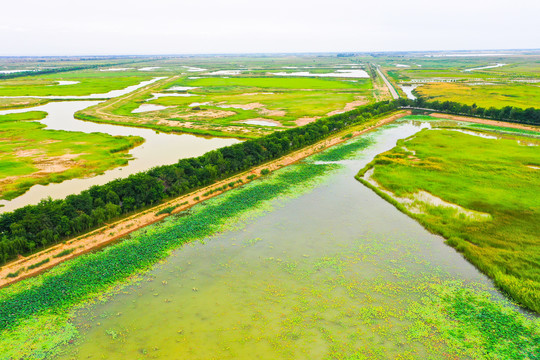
{"points": [[74, 27]]}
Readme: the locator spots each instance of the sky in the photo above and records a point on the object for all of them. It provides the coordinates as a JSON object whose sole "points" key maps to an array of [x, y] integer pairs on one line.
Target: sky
{"points": [[135, 27]]}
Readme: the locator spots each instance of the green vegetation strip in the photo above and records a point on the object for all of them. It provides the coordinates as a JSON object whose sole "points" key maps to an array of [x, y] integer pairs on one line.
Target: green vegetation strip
{"points": [[494, 95], [447, 319], [33, 155], [53, 220], [495, 177], [88, 83], [54, 292]]}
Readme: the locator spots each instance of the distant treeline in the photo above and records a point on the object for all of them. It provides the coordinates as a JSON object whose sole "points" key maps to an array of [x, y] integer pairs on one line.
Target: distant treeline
{"points": [[47, 71], [508, 113], [60, 69], [33, 227]]}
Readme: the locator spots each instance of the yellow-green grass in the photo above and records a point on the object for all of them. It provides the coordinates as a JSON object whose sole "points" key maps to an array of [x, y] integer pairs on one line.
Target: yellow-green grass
{"points": [[280, 99], [89, 83], [524, 68], [517, 95], [242, 83], [30, 155], [294, 104], [498, 177], [28, 115], [13, 103], [422, 74], [515, 68]]}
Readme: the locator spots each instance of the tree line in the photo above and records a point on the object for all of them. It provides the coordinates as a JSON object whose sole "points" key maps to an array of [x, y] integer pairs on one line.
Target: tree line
{"points": [[34, 227], [5, 76], [529, 116], [47, 71]]}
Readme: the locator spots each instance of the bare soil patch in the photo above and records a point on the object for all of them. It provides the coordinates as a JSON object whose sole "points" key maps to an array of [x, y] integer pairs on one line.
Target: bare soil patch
{"points": [[306, 120], [211, 114], [56, 164], [250, 106], [268, 112], [360, 100]]}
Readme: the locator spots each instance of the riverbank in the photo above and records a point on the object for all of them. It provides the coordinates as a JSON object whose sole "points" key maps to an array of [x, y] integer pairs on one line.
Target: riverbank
{"points": [[111, 232], [158, 149], [265, 270], [486, 122], [487, 215], [31, 154]]}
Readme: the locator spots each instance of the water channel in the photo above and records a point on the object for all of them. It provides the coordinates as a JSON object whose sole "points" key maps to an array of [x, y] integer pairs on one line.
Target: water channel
{"points": [[326, 274], [408, 90], [158, 149]]}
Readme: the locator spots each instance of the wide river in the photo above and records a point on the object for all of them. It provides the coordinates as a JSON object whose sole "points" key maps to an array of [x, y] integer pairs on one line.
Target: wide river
{"points": [[322, 274], [158, 149]]}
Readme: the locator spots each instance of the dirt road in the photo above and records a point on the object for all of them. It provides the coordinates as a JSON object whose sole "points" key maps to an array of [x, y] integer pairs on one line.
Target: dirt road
{"points": [[114, 231]]}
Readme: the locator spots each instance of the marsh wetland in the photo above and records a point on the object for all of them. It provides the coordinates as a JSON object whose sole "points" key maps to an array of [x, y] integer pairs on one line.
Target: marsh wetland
{"points": [[414, 240], [315, 265]]}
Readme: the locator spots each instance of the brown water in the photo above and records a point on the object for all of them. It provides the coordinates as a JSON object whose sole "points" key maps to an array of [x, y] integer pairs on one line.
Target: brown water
{"points": [[157, 149], [324, 275]]}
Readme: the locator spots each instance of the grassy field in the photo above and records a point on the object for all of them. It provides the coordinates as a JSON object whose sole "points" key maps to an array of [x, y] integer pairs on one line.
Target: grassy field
{"points": [[30, 155], [466, 80], [448, 316], [499, 95], [219, 106], [89, 82], [14, 103], [495, 182], [228, 100], [279, 82]]}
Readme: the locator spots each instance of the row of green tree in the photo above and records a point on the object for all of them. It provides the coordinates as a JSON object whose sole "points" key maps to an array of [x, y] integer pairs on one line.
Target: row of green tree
{"points": [[54, 70], [33, 227], [508, 113], [46, 71]]}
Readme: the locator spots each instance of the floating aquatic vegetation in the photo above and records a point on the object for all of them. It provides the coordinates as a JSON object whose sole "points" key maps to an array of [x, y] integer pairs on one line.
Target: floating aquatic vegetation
{"points": [[82, 278]]}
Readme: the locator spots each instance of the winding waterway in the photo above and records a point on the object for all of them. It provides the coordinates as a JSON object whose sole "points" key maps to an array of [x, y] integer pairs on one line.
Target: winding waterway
{"points": [[158, 149], [408, 90], [330, 273]]}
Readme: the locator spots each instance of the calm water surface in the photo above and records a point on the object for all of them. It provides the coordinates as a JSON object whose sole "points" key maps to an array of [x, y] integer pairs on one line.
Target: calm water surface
{"points": [[158, 149], [317, 277], [408, 90]]}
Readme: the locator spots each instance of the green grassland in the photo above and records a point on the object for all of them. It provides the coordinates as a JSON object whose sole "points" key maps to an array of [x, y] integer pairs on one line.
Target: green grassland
{"points": [[253, 64], [226, 102], [292, 97], [446, 79], [295, 104], [90, 82], [496, 177], [15, 103], [500, 95], [30, 155], [36, 314], [280, 82]]}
